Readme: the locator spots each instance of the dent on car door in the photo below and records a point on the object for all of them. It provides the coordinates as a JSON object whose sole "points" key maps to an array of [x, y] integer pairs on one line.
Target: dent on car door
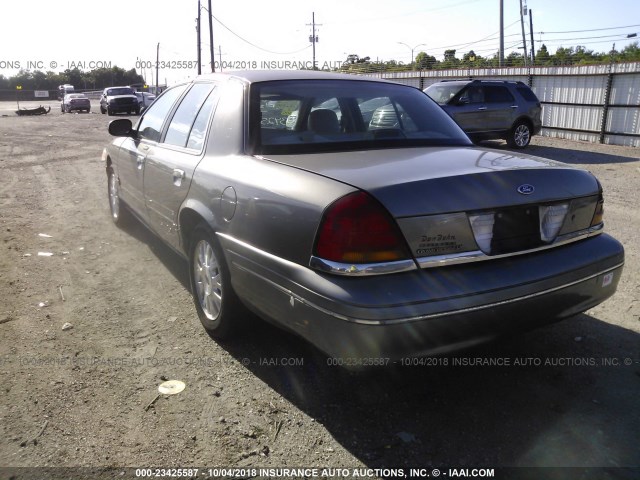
{"points": [[169, 169]]}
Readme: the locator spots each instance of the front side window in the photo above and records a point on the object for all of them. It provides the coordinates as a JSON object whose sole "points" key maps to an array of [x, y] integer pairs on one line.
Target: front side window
{"points": [[309, 116], [150, 125], [443, 93]]}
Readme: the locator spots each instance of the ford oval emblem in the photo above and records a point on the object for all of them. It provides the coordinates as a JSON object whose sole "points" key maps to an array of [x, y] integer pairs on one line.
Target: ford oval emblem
{"points": [[526, 189]]}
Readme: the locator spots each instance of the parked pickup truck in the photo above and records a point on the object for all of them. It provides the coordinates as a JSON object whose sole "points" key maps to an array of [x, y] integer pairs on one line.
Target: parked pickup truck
{"points": [[119, 100]]}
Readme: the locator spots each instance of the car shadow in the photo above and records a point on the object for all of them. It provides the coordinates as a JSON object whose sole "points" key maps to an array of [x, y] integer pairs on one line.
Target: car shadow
{"points": [[169, 258], [565, 155], [563, 395], [558, 396]]}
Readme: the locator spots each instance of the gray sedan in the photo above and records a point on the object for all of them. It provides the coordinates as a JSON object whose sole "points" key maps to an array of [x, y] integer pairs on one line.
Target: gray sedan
{"points": [[356, 213]]}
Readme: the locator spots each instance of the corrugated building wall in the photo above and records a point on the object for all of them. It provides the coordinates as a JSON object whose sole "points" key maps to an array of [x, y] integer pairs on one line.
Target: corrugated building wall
{"points": [[594, 103]]}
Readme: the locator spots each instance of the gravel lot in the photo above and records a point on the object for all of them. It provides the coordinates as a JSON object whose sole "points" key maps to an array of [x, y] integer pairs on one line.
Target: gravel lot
{"points": [[565, 395]]}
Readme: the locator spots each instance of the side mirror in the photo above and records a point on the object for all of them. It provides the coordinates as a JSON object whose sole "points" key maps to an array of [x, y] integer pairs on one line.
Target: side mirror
{"points": [[121, 127], [462, 100]]}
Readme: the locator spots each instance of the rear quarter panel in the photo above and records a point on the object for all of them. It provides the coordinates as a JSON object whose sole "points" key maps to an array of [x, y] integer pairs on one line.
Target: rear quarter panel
{"points": [[277, 207]]}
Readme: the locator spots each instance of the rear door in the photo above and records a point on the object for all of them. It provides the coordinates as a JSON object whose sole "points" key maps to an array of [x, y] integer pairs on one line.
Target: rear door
{"points": [[501, 107], [169, 167]]}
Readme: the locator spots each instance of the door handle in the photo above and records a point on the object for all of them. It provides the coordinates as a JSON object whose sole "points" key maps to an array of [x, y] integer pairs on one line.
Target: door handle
{"points": [[482, 109], [178, 176], [140, 161], [514, 106]]}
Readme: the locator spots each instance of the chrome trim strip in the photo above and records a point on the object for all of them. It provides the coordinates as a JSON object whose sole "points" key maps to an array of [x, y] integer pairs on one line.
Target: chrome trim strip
{"points": [[362, 269], [430, 316], [335, 267], [479, 256]]}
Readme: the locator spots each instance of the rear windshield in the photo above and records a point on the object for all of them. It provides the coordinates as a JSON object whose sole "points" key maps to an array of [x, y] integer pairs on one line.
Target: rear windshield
{"points": [[310, 116]]}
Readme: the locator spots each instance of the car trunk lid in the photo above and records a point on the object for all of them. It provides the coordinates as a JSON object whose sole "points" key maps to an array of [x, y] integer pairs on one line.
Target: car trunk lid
{"points": [[431, 181]]}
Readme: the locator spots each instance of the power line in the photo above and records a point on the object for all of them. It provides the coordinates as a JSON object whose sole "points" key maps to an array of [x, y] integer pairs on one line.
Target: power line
{"points": [[592, 29], [253, 44], [611, 37]]}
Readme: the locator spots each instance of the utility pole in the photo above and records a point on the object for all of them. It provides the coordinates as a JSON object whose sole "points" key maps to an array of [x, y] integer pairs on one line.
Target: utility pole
{"points": [[523, 12], [501, 52], [213, 57], [157, 65], [313, 38], [198, 32], [533, 50]]}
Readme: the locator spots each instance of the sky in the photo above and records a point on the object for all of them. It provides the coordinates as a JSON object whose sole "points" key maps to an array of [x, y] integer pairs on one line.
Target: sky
{"points": [[55, 35]]}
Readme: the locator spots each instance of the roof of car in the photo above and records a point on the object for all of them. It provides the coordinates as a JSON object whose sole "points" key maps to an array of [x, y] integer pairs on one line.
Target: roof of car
{"points": [[462, 81], [251, 76]]}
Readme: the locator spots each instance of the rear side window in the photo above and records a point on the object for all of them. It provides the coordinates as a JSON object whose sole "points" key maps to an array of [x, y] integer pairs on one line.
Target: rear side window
{"points": [[185, 116], [196, 137], [495, 94], [527, 94], [150, 125]]}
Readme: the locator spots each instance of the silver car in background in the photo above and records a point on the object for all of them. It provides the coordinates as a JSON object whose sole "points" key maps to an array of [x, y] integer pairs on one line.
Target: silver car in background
{"points": [[357, 214], [75, 102]]}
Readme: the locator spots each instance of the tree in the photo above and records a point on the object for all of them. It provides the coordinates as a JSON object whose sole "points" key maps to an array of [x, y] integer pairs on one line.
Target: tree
{"points": [[630, 53], [425, 62], [450, 60], [563, 56], [514, 59], [542, 56]]}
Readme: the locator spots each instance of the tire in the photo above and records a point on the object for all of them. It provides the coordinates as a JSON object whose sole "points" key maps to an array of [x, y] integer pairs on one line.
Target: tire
{"points": [[520, 135], [118, 210], [109, 111], [137, 111], [219, 309]]}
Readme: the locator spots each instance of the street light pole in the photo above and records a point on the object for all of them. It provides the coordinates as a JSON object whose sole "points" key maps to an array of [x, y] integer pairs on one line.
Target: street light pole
{"points": [[412, 49]]}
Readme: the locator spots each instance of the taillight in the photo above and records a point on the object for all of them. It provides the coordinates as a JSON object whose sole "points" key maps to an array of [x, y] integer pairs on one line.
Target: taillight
{"points": [[357, 229], [599, 213]]}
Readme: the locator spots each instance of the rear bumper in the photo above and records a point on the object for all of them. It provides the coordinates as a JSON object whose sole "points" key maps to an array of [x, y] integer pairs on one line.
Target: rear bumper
{"points": [[426, 311], [86, 106]]}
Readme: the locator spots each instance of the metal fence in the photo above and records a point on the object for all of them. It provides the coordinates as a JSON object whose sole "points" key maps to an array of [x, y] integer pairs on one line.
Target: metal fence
{"points": [[594, 103]]}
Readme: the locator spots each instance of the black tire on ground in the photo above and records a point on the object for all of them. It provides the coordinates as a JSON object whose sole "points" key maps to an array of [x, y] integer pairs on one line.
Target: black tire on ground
{"points": [[520, 135], [109, 111], [219, 308]]}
